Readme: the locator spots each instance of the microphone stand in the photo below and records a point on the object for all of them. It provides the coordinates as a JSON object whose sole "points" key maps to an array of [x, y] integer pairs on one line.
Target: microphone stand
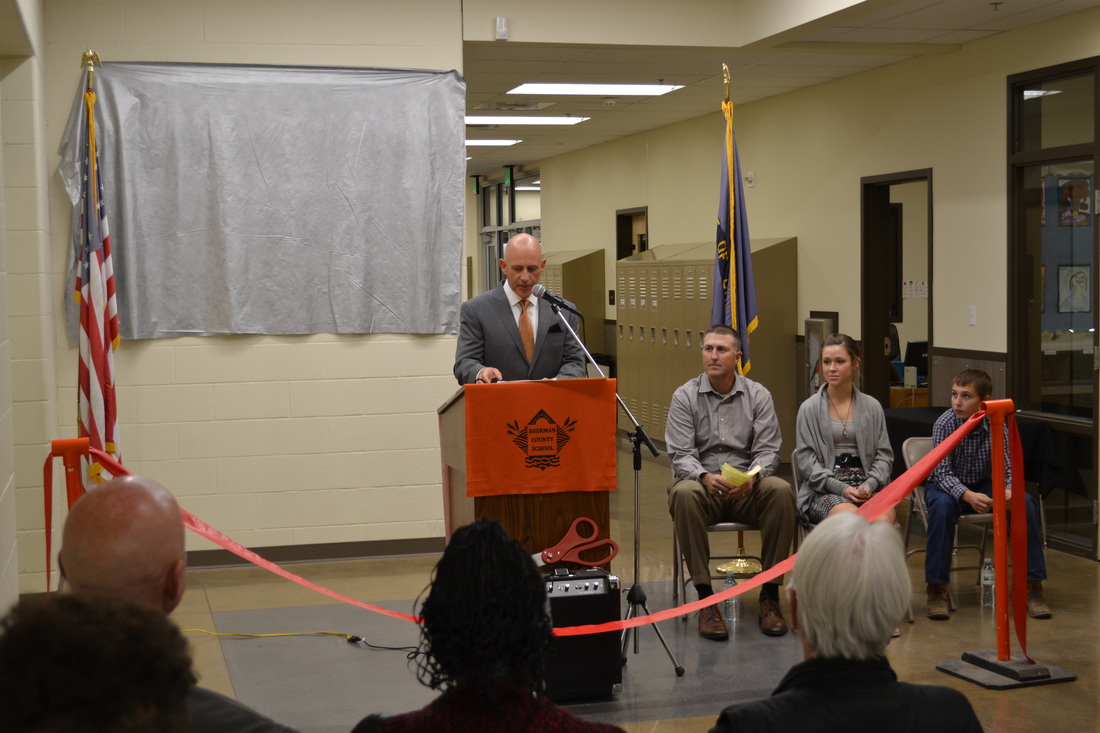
{"points": [[635, 597]]}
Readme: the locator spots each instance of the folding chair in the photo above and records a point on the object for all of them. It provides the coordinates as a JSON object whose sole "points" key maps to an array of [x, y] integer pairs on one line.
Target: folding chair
{"points": [[913, 449], [804, 525], [680, 577]]}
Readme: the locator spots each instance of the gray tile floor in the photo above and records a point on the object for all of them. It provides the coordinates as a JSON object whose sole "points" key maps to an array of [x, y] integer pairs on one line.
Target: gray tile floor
{"points": [[324, 684]]}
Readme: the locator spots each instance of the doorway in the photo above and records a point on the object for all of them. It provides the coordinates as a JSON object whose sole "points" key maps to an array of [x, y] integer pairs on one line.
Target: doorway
{"points": [[631, 231], [896, 267]]}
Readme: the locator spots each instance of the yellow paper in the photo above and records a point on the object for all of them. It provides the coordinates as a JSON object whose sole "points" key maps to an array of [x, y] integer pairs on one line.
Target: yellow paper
{"points": [[736, 477]]}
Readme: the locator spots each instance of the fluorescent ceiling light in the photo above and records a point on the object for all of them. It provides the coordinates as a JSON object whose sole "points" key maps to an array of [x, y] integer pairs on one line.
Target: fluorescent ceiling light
{"points": [[600, 90], [528, 188], [488, 143], [518, 120]]}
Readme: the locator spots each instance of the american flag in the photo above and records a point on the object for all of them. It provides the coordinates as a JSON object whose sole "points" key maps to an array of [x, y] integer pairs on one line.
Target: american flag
{"points": [[734, 291], [95, 292]]}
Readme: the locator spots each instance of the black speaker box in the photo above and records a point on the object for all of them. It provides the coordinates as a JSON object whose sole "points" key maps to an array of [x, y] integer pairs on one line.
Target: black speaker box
{"points": [[590, 665]]}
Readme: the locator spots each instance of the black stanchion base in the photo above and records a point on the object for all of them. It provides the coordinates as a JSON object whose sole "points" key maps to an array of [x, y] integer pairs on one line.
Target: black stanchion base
{"points": [[983, 668]]}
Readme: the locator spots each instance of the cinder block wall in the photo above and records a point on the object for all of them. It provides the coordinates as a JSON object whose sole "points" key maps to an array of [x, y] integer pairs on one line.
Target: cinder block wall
{"points": [[273, 440], [28, 394]]}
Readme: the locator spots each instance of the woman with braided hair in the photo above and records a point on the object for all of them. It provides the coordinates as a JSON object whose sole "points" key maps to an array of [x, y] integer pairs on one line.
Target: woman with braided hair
{"points": [[485, 634]]}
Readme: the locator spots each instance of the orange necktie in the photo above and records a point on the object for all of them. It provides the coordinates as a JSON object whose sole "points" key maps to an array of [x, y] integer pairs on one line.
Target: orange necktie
{"points": [[526, 333]]}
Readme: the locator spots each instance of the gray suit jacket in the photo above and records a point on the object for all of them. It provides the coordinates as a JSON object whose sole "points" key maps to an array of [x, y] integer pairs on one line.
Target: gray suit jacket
{"points": [[487, 336]]}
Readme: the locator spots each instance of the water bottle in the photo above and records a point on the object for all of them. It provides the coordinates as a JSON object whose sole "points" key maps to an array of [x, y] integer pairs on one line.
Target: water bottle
{"points": [[729, 606], [987, 582]]}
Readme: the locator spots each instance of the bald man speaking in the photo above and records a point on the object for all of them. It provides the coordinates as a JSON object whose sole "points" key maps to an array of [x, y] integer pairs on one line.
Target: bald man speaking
{"points": [[124, 540], [508, 334]]}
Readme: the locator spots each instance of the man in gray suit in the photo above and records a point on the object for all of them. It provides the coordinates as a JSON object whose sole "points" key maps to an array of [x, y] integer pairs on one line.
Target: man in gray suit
{"points": [[491, 344]]}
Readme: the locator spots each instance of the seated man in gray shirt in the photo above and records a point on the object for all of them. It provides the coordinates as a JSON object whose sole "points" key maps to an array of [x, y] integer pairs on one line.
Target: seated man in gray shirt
{"points": [[720, 417], [124, 540]]}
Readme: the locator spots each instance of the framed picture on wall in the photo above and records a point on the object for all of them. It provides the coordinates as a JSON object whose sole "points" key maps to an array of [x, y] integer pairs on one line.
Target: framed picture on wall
{"points": [[1074, 209], [1074, 288]]}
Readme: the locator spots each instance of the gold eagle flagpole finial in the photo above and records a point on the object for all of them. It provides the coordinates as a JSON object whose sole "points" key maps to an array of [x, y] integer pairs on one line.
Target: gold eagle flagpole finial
{"points": [[726, 80], [90, 60]]}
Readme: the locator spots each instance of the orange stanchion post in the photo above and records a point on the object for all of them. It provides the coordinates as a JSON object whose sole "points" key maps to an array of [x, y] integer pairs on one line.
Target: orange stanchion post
{"points": [[997, 410], [71, 450], [998, 670]]}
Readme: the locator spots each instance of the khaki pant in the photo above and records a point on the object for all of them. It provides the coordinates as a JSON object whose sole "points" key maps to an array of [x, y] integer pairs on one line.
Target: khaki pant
{"points": [[770, 507]]}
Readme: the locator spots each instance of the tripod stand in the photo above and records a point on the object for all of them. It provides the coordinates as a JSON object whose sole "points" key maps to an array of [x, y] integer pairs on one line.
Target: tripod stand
{"points": [[636, 595]]}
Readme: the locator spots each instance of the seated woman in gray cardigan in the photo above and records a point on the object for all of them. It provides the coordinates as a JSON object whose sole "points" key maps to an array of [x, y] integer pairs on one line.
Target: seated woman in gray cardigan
{"points": [[842, 451]]}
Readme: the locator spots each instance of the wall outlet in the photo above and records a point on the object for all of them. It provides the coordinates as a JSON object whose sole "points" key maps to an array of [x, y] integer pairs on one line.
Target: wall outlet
{"points": [[972, 315]]}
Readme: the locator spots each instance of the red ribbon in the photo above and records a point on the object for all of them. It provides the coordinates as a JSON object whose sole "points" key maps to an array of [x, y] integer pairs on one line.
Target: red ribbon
{"points": [[203, 529], [884, 500]]}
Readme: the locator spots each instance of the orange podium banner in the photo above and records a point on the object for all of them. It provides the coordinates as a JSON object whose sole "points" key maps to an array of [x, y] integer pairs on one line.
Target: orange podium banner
{"points": [[541, 437]]}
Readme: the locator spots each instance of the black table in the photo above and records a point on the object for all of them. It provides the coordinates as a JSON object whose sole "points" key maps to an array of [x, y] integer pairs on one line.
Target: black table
{"points": [[1036, 439]]}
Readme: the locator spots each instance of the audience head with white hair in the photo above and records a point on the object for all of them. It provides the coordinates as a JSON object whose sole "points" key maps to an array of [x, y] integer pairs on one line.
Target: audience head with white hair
{"points": [[849, 588]]}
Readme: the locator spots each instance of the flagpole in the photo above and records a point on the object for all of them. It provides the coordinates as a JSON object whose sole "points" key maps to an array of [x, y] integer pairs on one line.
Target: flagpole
{"points": [[97, 412], [727, 112], [734, 293], [88, 60]]}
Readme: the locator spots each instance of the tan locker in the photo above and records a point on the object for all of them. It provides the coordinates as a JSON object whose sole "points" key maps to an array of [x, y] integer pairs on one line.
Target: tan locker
{"points": [[627, 362], [623, 364], [644, 351], [578, 276], [656, 349], [688, 364]]}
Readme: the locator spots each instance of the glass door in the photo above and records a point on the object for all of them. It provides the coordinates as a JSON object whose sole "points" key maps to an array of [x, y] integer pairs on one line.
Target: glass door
{"points": [[1053, 355]]}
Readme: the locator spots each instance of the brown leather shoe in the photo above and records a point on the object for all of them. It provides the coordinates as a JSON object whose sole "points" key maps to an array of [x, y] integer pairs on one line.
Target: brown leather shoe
{"points": [[937, 603], [1036, 606], [711, 624], [771, 618]]}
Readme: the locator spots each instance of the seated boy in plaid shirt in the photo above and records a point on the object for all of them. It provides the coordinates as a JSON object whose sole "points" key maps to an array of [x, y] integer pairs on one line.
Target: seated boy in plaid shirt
{"points": [[963, 484]]}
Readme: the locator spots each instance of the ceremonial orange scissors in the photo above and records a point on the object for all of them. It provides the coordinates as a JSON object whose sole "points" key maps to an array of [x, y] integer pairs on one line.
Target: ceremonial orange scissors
{"points": [[570, 547]]}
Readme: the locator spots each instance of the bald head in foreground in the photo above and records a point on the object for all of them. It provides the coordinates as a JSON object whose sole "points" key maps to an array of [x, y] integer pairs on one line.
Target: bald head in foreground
{"points": [[849, 589], [125, 540]]}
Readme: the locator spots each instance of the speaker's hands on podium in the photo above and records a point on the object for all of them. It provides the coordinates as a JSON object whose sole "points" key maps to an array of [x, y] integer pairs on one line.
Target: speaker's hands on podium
{"points": [[488, 375]]}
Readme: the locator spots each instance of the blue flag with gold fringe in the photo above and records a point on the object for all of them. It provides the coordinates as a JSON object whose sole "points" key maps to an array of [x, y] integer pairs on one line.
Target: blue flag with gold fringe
{"points": [[734, 301]]}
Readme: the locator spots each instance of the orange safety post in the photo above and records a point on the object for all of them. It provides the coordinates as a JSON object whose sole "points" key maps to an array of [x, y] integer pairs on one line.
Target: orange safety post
{"points": [[70, 451], [997, 410]]}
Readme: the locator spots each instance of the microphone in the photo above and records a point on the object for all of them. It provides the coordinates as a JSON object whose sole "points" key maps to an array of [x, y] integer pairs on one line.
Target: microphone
{"points": [[539, 291]]}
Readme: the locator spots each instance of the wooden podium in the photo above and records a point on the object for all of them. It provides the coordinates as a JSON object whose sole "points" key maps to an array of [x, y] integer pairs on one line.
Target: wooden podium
{"points": [[532, 455]]}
